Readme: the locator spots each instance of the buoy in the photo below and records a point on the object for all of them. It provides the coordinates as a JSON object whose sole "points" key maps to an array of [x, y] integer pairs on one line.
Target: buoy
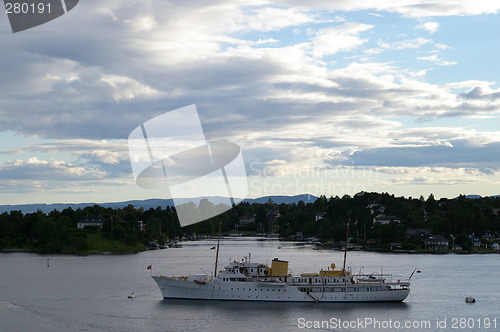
{"points": [[131, 296]]}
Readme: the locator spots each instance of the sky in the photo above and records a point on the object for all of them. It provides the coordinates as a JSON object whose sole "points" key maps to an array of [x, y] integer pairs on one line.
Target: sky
{"points": [[323, 97]]}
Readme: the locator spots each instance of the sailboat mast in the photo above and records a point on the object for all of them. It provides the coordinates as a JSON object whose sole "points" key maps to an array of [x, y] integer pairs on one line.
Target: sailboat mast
{"points": [[217, 254], [345, 249]]}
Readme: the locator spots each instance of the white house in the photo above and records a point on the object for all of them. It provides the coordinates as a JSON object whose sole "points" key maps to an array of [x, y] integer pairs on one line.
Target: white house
{"points": [[436, 242], [90, 221], [383, 219], [245, 220]]}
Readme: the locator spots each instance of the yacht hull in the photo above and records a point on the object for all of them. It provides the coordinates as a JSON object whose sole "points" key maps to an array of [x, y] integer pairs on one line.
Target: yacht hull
{"points": [[174, 288]]}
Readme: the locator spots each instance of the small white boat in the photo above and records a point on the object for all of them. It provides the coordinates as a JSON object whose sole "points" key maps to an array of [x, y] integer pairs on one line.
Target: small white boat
{"points": [[470, 299], [131, 296]]}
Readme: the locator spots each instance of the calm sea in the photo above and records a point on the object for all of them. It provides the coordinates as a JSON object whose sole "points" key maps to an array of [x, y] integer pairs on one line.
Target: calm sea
{"points": [[90, 293]]}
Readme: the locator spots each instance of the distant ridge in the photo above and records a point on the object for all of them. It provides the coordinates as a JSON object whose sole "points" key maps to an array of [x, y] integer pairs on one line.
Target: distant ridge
{"points": [[306, 198], [474, 196], [157, 202], [148, 203], [30, 208]]}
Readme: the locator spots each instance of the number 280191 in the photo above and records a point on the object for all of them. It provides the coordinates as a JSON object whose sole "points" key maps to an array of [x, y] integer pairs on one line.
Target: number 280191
{"points": [[27, 8]]}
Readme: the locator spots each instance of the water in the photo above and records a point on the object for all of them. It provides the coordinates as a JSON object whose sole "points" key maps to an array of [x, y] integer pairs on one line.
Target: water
{"points": [[90, 293]]}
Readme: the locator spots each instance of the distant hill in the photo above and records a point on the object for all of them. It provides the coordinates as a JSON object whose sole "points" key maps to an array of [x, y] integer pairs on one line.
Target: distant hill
{"points": [[306, 198], [148, 203], [29, 208], [156, 202], [474, 196]]}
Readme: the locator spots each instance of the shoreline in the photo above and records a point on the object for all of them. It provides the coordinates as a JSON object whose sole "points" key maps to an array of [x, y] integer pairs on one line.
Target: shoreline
{"points": [[424, 251], [34, 251], [438, 252], [382, 251]]}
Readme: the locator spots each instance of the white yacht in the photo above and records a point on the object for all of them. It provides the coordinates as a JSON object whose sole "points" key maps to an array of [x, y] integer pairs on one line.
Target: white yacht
{"points": [[248, 281]]}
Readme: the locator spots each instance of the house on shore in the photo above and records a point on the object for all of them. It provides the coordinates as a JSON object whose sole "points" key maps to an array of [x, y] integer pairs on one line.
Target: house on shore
{"points": [[247, 219], [90, 221], [386, 219], [436, 242]]}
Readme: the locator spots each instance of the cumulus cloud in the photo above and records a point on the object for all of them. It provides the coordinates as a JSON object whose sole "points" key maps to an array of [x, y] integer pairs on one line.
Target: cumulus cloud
{"points": [[434, 58], [481, 93], [410, 8], [430, 26], [271, 18], [125, 88], [339, 38], [454, 154], [406, 44], [293, 81], [198, 53], [35, 169], [106, 159]]}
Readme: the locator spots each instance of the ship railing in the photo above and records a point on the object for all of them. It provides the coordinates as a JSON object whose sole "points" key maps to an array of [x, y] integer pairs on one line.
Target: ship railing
{"points": [[271, 282], [398, 282], [175, 278], [380, 278]]}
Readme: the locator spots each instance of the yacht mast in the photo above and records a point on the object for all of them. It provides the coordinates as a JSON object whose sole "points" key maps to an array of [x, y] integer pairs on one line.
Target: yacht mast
{"points": [[217, 254], [345, 249]]}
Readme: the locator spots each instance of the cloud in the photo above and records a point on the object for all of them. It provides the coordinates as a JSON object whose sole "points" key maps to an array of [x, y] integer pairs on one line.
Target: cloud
{"points": [[272, 18], [410, 8], [201, 53], [406, 44], [439, 179], [430, 26], [126, 88], [434, 58], [35, 169], [455, 154], [107, 159], [339, 38], [481, 93], [289, 83], [93, 167]]}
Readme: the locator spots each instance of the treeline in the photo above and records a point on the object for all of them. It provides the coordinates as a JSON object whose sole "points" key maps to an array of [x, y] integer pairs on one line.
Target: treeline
{"points": [[454, 219], [57, 231], [326, 219]]}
